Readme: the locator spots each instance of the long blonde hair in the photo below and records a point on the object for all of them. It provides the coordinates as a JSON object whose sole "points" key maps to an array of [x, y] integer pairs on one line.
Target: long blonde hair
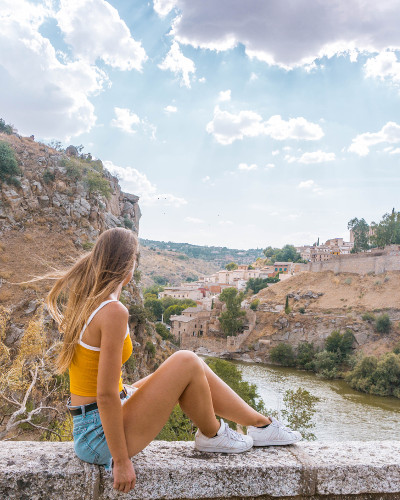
{"points": [[82, 288]]}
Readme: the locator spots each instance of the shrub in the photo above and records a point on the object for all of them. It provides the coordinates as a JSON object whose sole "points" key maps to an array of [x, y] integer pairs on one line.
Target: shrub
{"points": [[382, 323], [163, 331], [127, 222], [287, 307], [48, 176], [87, 245], [154, 309], [368, 316], [347, 281], [8, 164], [6, 128], [150, 349], [254, 304], [72, 169], [283, 354], [396, 348], [98, 184], [305, 355], [325, 363], [340, 344], [302, 310], [138, 313]]}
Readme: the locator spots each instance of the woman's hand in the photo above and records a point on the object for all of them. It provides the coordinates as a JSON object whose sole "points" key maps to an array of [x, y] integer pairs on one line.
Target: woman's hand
{"points": [[124, 476]]}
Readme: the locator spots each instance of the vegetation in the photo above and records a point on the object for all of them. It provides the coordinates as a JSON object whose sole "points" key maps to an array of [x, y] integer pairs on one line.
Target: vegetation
{"points": [[361, 234], [89, 171], [305, 355], [6, 128], [231, 266], [48, 176], [287, 307], [150, 349], [286, 254], [383, 323], [163, 331], [254, 304], [385, 232], [299, 411], [8, 165], [158, 309], [219, 255], [368, 316], [231, 320], [254, 285], [283, 354]]}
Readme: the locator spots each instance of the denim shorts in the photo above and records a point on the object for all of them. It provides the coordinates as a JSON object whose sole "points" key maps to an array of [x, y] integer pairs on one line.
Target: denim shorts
{"points": [[90, 443]]}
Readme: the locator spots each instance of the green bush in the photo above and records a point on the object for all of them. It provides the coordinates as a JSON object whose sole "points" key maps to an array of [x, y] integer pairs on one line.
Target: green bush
{"points": [[48, 176], [150, 348], [287, 307], [283, 354], [326, 364], [127, 222], [5, 128], [8, 164], [368, 316], [154, 309], [340, 344], [138, 313], [72, 169], [302, 310], [178, 427], [396, 348], [383, 323], [87, 245], [163, 331], [96, 183], [305, 355], [254, 304], [299, 411]]}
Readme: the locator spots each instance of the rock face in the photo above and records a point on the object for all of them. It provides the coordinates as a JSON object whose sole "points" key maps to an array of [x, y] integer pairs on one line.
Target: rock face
{"points": [[57, 195], [175, 470]]}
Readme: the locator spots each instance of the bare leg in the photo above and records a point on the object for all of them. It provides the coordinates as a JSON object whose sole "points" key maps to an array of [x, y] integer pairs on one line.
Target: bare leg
{"points": [[227, 404], [182, 377]]}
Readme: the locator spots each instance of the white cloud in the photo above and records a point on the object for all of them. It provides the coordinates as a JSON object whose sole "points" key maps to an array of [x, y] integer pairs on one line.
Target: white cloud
{"points": [[170, 109], [56, 92], [137, 183], [389, 133], [253, 77], [316, 157], [163, 7], [275, 152], [94, 29], [290, 158], [205, 179], [224, 95], [245, 166], [267, 30], [225, 222], [176, 62], [270, 165], [202, 80], [194, 220], [227, 127], [125, 120], [384, 66], [395, 151], [310, 185]]}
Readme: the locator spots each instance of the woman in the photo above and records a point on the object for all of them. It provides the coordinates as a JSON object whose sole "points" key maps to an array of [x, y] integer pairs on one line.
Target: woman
{"points": [[96, 343]]}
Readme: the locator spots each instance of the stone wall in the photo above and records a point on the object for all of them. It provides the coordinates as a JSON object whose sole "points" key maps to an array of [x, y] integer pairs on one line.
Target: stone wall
{"points": [[175, 470], [214, 344], [378, 261]]}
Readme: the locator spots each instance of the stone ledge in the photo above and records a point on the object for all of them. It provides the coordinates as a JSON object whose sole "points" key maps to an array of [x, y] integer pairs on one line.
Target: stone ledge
{"points": [[175, 470]]}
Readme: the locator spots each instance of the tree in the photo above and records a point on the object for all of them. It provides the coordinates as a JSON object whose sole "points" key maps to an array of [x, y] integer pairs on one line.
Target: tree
{"points": [[361, 234], [155, 309], [340, 344], [287, 254], [256, 284], [283, 354], [231, 266], [387, 232], [8, 164], [383, 323], [299, 411], [305, 355], [287, 307], [231, 320]]}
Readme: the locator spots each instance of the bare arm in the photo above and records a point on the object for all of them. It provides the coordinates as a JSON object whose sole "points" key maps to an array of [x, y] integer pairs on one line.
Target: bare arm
{"points": [[113, 330]]}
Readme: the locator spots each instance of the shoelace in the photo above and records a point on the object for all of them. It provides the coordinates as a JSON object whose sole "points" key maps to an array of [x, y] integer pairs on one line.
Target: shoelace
{"points": [[233, 434], [280, 424]]}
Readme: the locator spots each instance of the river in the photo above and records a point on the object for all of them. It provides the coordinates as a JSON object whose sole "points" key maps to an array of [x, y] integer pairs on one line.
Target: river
{"points": [[342, 413]]}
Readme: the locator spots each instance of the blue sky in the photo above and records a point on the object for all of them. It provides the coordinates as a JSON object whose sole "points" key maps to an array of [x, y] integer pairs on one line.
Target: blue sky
{"points": [[241, 124]]}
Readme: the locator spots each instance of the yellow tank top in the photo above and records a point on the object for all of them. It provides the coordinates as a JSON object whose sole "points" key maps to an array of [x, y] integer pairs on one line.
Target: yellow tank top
{"points": [[84, 367]]}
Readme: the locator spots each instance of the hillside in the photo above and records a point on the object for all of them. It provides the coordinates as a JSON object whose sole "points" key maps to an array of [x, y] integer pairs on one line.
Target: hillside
{"points": [[163, 266], [323, 302], [217, 255]]}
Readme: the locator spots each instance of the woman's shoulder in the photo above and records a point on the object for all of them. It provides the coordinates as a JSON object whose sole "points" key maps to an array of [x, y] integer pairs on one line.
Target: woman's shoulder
{"points": [[113, 313]]}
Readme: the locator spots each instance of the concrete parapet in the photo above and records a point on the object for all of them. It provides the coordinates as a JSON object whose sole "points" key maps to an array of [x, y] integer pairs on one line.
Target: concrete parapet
{"points": [[175, 470]]}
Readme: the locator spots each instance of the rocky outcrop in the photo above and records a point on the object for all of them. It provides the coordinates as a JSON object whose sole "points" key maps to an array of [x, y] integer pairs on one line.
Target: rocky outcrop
{"points": [[175, 470], [56, 195]]}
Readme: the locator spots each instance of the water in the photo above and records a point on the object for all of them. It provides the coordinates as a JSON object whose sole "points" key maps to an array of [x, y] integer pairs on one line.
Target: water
{"points": [[342, 414]]}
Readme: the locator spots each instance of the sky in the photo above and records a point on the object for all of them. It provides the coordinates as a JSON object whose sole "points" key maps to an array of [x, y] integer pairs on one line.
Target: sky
{"points": [[239, 124]]}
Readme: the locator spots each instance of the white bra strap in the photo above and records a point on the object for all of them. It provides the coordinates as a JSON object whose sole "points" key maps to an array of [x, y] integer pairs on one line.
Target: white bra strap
{"points": [[93, 313]]}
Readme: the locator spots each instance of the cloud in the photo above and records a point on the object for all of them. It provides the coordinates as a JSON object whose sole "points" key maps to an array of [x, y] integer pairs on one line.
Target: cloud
{"points": [[94, 29], [384, 66], [312, 157], [268, 33], [224, 95], [194, 220], [310, 185], [176, 62], [245, 166], [125, 120], [137, 183], [225, 223], [170, 109], [389, 133], [41, 93], [270, 165], [228, 127], [275, 152], [395, 151]]}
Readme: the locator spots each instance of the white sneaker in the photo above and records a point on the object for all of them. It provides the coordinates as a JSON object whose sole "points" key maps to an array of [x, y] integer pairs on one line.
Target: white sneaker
{"points": [[226, 441], [275, 434]]}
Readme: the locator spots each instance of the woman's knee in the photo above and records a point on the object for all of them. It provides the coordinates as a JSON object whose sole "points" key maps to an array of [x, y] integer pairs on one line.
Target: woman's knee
{"points": [[187, 358]]}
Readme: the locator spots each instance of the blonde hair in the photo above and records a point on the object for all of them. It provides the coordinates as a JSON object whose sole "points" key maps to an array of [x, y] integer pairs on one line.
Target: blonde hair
{"points": [[80, 290]]}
